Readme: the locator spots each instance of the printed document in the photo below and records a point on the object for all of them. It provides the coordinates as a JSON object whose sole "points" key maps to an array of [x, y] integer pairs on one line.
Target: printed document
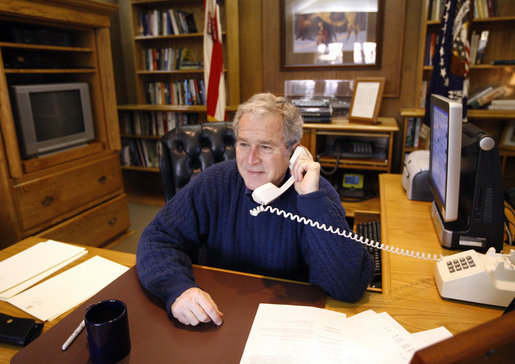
{"points": [[34, 264], [299, 334], [63, 292]]}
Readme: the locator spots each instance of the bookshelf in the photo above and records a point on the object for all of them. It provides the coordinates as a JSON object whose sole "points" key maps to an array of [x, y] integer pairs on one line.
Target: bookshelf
{"points": [[75, 195], [501, 46], [168, 79]]}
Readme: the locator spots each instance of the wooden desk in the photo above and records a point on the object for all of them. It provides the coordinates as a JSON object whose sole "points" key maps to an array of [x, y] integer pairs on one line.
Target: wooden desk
{"points": [[7, 351], [410, 295]]}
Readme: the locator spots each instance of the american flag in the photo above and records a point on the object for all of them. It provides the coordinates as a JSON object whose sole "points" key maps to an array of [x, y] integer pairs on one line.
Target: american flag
{"points": [[213, 61], [451, 59]]}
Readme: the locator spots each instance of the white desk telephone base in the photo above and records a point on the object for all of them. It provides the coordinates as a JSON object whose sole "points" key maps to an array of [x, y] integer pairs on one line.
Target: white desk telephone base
{"points": [[482, 278]]}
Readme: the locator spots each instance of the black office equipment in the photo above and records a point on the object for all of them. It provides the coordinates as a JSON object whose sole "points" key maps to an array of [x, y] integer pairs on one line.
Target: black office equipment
{"points": [[372, 230], [473, 173]]}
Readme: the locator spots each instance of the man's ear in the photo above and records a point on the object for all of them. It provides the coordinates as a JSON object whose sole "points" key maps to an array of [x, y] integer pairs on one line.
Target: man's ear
{"points": [[293, 148]]}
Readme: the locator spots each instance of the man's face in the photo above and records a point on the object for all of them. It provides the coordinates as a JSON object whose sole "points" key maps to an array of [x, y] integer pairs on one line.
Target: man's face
{"points": [[261, 154]]}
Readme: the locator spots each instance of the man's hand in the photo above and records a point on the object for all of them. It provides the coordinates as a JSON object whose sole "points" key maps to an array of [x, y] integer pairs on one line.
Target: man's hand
{"points": [[194, 306], [306, 173]]}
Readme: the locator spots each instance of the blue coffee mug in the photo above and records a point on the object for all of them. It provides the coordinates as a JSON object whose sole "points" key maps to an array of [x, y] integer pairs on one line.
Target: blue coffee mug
{"points": [[107, 328]]}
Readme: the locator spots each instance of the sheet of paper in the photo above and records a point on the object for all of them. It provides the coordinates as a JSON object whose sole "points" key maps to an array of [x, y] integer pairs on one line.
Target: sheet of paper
{"points": [[389, 340], [57, 295], [365, 99], [5, 295], [294, 334], [34, 261], [299, 334], [423, 339]]}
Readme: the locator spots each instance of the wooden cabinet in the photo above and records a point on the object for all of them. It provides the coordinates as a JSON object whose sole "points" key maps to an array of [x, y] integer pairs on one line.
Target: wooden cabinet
{"points": [[59, 41], [95, 226], [161, 77], [317, 137]]}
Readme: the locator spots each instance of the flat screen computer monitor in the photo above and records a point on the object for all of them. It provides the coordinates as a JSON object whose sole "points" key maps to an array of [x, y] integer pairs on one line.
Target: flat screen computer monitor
{"points": [[445, 155], [465, 180]]}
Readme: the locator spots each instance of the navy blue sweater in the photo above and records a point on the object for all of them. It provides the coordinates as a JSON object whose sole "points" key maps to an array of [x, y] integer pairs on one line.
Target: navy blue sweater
{"points": [[213, 211]]}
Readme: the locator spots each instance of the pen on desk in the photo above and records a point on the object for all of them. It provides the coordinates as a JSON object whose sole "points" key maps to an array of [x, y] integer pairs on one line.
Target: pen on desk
{"points": [[73, 336]]}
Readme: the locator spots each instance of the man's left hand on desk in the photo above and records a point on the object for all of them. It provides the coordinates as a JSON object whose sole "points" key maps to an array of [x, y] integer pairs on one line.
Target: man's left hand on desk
{"points": [[194, 306]]}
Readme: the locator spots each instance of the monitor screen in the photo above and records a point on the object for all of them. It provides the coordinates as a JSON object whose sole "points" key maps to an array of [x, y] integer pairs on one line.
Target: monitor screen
{"points": [[445, 155], [439, 161]]}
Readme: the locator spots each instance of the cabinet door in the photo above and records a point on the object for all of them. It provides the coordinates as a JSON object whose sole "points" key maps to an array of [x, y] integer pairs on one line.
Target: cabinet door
{"points": [[47, 198], [94, 227]]}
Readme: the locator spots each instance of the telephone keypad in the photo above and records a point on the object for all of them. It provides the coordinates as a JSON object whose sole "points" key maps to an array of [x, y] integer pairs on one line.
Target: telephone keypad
{"points": [[457, 265]]}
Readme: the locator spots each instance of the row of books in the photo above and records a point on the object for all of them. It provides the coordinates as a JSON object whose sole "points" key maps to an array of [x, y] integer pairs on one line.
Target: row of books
{"points": [[153, 123], [413, 137], [429, 52], [482, 9], [181, 92], [485, 95], [139, 153], [435, 9], [168, 59], [505, 104], [478, 42], [485, 9], [143, 152], [166, 22]]}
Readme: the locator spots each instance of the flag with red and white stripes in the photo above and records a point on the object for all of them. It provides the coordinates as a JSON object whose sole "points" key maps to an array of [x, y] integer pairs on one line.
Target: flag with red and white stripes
{"points": [[213, 62]]}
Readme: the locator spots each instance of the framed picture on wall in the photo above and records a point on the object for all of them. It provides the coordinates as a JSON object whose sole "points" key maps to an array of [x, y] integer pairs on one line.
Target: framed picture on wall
{"points": [[330, 33]]}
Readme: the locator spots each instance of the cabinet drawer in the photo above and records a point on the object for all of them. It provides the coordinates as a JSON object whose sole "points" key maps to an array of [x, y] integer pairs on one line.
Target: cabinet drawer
{"points": [[49, 197], [94, 227]]}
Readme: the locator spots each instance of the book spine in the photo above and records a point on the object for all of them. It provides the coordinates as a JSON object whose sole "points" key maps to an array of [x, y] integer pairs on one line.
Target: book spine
{"points": [[499, 91]]}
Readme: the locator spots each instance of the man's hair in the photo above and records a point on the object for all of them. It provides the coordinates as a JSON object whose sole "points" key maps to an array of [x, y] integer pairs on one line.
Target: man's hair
{"points": [[267, 105]]}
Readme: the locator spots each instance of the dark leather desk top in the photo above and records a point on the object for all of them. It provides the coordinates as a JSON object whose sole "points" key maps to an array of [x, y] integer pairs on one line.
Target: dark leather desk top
{"points": [[156, 339]]}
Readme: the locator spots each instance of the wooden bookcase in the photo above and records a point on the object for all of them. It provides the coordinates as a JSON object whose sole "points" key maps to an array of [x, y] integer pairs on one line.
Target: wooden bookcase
{"points": [[501, 45], [142, 178], [74, 195]]}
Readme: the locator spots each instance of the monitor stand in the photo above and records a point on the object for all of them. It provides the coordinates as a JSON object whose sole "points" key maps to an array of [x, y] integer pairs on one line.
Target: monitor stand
{"points": [[447, 235], [456, 235]]}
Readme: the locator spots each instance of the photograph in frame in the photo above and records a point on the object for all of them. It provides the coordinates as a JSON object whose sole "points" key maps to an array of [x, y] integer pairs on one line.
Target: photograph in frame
{"points": [[330, 33], [366, 100]]}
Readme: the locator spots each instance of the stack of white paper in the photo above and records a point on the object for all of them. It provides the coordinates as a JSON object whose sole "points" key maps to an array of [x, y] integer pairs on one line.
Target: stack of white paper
{"points": [[299, 334], [61, 293], [32, 265]]}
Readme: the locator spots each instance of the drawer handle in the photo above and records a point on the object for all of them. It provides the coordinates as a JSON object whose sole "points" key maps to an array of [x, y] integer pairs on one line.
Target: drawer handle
{"points": [[47, 201], [112, 221], [102, 180]]}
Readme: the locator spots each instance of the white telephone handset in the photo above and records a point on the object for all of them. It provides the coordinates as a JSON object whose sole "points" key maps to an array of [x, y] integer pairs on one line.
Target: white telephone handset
{"points": [[269, 192]]}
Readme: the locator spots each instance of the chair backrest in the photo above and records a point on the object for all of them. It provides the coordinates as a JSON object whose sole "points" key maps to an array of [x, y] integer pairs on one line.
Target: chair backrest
{"points": [[189, 149]]}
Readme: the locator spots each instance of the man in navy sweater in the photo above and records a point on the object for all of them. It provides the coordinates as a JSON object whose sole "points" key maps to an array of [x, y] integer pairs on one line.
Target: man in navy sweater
{"points": [[212, 211]]}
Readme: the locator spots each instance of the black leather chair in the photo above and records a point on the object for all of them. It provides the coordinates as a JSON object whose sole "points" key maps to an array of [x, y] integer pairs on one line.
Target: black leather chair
{"points": [[189, 149]]}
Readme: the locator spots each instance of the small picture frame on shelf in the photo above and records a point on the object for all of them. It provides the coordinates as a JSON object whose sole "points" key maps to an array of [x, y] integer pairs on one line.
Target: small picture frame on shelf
{"points": [[366, 100], [508, 136]]}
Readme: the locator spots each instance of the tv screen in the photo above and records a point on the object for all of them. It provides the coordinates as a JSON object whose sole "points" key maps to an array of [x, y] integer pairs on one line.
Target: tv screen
{"points": [[52, 117]]}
